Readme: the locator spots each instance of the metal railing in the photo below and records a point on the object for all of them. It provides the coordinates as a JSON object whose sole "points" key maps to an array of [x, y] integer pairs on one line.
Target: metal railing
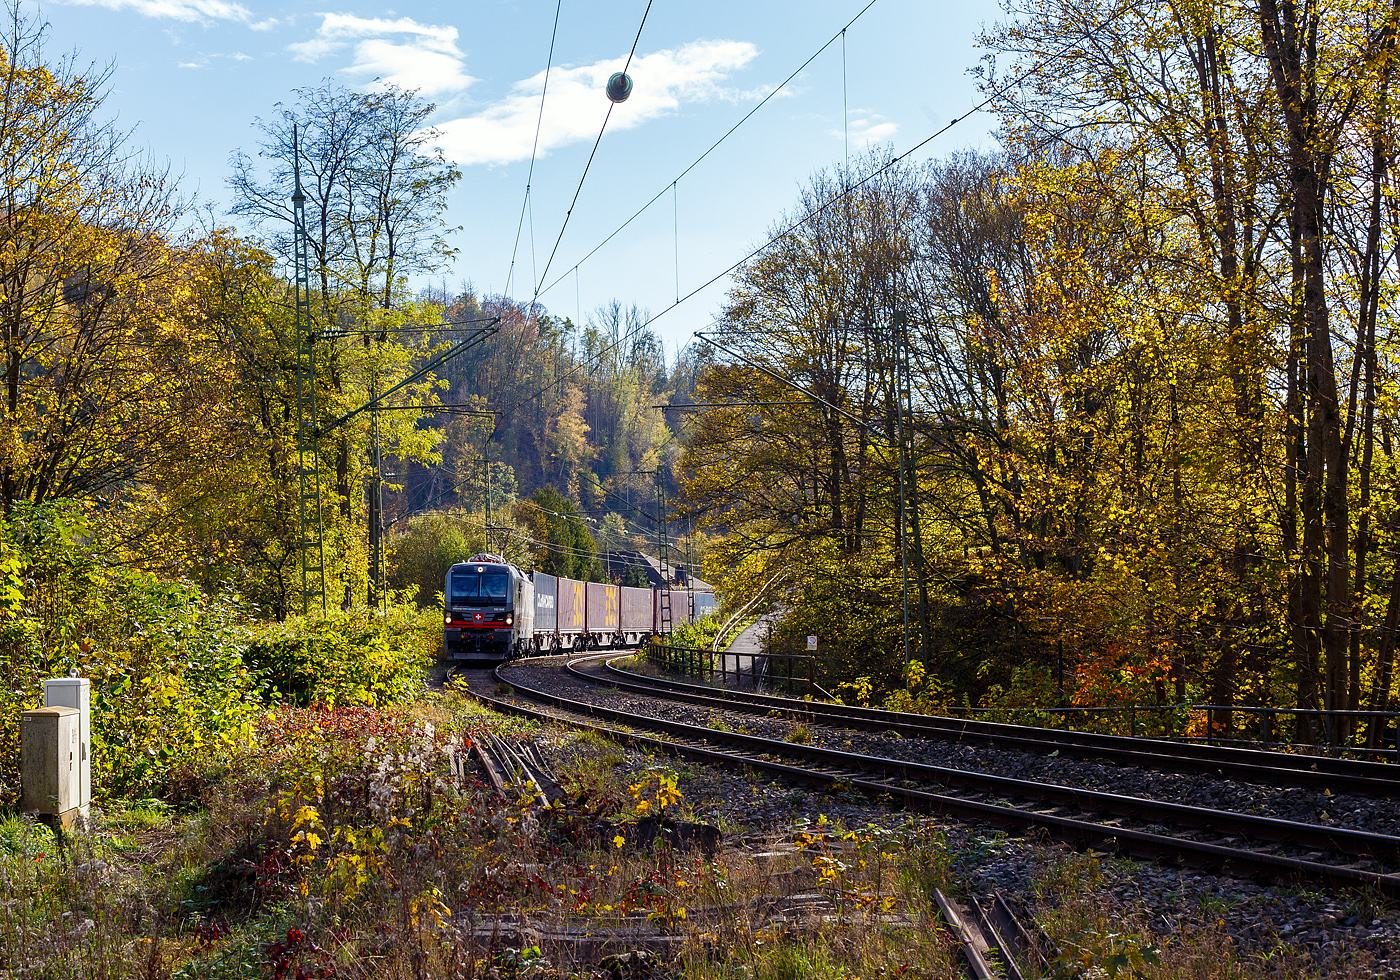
{"points": [[788, 672], [1341, 730]]}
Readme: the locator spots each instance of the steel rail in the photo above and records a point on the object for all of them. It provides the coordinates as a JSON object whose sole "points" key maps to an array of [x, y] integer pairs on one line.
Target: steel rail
{"points": [[1321, 772], [1137, 843], [1355, 842]]}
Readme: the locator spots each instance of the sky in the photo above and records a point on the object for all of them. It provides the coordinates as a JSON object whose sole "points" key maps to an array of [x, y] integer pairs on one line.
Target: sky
{"points": [[190, 77]]}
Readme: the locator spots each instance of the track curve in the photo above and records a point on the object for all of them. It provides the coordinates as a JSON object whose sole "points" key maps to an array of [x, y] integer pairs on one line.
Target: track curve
{"points": [[900, 783], [1273, 768]]}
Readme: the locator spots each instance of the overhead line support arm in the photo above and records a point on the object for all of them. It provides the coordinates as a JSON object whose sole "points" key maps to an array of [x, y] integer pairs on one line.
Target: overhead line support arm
{"points": [[436, 362]]}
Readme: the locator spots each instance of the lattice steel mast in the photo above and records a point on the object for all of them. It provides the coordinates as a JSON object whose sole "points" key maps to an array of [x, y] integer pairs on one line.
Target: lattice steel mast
{"points": [[665, 616], [311, 533]]}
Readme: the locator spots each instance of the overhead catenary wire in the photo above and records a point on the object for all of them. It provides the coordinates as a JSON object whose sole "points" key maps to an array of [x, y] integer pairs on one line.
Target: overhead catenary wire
{"points": [[534, 151], [541, 289], [447, 326], [712, 147], [570, 550], [587, 166], [848, 190], [997, 93], [845, 106]]}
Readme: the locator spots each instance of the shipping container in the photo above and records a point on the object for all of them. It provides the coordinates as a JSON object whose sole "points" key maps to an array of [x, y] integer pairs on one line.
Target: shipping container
{"points": [[638, 615], [602, 609], [571, 609], [705, 604], [546, 602]]}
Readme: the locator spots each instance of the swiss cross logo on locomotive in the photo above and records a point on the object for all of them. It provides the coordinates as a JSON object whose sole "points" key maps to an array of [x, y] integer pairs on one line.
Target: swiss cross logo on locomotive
{"points": [[477, 617]]}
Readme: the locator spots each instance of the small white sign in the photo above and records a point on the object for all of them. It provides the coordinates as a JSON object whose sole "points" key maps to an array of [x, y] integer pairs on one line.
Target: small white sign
{"points": [[811, 643]]}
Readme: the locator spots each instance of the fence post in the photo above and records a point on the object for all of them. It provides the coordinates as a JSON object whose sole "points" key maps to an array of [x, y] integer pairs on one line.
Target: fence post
{"points": [[811, 677], [1132, 720]]}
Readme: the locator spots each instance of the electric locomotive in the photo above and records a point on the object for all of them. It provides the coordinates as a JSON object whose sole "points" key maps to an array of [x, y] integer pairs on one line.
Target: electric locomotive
{"points": [[488, 610]]}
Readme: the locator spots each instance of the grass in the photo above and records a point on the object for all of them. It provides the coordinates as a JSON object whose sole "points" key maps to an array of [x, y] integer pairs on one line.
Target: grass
{"points": [[1093, 931], [336, 845]]}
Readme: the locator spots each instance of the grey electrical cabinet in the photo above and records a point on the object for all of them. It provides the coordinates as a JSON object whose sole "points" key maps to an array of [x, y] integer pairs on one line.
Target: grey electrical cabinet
{"points": [[76, 692], [50, 771]]}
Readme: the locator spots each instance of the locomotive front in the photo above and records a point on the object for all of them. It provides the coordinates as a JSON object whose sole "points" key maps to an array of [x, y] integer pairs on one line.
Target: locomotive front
{"points": [[479, 615]]}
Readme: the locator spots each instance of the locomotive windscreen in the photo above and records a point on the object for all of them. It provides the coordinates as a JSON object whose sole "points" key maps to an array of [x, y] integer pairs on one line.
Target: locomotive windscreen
{"points": [[471, 587]]}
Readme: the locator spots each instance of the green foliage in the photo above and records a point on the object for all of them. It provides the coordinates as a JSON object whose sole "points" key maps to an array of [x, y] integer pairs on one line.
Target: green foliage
{"points": [[1092, 953], [165, 661], [177, 677], [633, 576], [422, 554], [564, 545], [360, 657], [700, 634]]}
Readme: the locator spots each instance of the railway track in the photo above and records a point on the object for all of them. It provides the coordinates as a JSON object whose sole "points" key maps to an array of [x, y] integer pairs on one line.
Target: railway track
{"points": [[1253, 765], [1241, 844]]}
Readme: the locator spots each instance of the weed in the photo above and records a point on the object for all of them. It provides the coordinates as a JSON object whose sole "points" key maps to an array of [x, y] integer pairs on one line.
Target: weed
{"points": [[928, 866], [800, 735], [24, 837], [140, 815], [1367, 904], [1066, 875], [1092, 953]]}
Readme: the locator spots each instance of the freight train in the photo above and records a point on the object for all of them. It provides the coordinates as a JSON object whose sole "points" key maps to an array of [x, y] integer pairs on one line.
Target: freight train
{"points": [[492, 611]]}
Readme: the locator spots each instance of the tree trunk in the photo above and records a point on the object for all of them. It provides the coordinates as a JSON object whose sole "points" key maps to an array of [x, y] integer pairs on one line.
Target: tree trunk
{"points": [[1290, 45]]}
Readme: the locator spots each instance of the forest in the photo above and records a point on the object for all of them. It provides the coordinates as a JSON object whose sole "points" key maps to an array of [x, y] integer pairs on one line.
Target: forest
{"points": [[1088, 419], [1102, 415], [149, 458], [1136, 367]]}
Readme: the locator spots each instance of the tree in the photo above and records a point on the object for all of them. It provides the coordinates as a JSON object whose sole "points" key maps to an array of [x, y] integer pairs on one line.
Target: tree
{"points": [[375, 191], [562, 543]]}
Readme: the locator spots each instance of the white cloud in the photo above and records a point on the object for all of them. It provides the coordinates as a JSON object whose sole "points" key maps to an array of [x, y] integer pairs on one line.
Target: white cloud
{"points": [[576, 105], [186, 10], [869, 127], [206, 60], [398, 52]]}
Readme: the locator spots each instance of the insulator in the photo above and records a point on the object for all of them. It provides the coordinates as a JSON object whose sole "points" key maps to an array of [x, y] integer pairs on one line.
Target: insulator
{"points": [[619, 87]]}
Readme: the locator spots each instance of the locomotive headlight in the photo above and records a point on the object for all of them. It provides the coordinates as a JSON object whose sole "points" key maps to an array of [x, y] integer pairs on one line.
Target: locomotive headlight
{"points": [[446, 620], [509, 619]]}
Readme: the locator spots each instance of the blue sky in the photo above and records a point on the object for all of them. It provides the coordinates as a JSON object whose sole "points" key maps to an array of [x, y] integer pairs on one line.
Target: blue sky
{"points": [[191, 76]]}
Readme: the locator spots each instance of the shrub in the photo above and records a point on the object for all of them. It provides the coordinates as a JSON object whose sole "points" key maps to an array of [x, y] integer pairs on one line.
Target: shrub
{"points": [[700, 633], [165, 661], [425, 550], [359, 657], [430, 543]]}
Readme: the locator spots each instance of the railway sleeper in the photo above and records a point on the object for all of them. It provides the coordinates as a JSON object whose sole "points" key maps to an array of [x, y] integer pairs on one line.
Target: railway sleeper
{"points": [[1168, 849]]}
